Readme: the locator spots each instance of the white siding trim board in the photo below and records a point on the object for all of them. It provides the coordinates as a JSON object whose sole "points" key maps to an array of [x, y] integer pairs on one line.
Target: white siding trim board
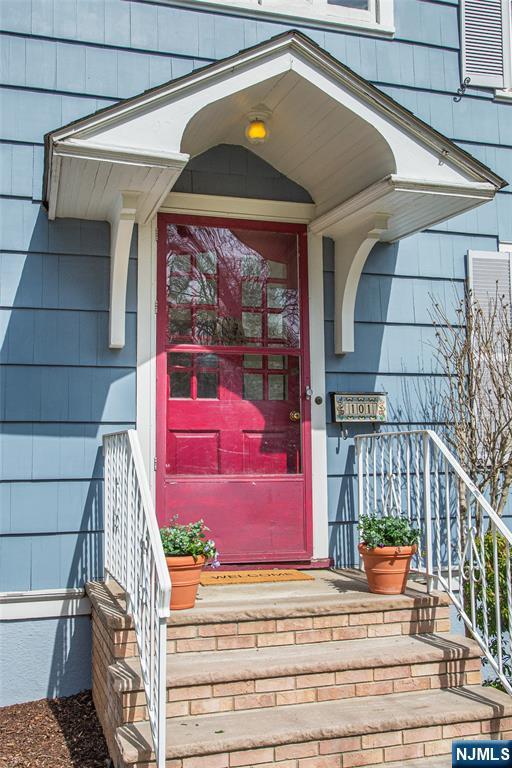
{"points": [[43, 604]]}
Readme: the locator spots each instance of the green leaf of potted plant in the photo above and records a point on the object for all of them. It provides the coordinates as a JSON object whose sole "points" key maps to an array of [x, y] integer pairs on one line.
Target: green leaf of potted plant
{"points": [[387, 546], [187, 548]]}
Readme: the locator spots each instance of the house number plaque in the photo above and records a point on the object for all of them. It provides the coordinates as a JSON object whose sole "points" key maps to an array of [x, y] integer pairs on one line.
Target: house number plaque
{"points": [[371, 407]]}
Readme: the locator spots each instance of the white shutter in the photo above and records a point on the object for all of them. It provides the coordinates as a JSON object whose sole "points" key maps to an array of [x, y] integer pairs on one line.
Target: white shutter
{"points": [[490, 274], [483, 41], [486, 270]]}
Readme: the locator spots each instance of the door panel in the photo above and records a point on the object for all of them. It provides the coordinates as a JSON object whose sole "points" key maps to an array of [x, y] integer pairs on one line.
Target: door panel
{"points": [[235, 509], [245, 401], [265, 453], [232, 419], [193, 453]]}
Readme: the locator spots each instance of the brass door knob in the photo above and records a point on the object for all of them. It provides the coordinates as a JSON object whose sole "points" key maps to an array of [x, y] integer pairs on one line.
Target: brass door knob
{"points": [[294, 416]]}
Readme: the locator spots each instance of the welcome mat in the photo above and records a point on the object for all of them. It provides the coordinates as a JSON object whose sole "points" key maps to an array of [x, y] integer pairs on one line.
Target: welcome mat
{"points": [[253, 577]]}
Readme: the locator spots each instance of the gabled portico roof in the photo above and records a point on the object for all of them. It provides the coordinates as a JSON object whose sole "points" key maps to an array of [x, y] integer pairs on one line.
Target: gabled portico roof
{"points": [[374, 170]]}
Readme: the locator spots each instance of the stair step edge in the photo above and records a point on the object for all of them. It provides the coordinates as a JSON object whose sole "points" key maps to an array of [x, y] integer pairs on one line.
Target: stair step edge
{"points": [[280, 661], [108, 600], [260, 610], [246, 730]]}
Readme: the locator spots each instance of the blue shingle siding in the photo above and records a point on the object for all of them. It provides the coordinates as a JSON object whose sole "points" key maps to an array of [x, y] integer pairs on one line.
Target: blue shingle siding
{"points": [[61, 387], [235, 171]]}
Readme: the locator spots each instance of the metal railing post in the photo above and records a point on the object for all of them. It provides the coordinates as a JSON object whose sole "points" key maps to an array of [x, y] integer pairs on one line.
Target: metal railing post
{"points": [[360, 488], [427, 511], [162, 687]]}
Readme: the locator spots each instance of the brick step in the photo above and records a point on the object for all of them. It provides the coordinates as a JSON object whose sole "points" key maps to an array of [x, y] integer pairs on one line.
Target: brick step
{"points": [[230, 624], [332, 734], [203, 683], [263, 623]]}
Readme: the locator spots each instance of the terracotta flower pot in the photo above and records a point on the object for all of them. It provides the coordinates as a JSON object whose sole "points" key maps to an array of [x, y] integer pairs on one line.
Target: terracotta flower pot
{"points": [[387, 568], [185, 573]]}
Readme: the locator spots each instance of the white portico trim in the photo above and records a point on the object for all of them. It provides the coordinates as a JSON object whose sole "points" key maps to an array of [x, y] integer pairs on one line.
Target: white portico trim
{"points": [[383, 212], [359, 154]]}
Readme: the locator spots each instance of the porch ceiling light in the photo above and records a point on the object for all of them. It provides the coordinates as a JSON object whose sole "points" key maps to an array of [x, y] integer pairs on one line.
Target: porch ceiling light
{"points": [[256, 130]]}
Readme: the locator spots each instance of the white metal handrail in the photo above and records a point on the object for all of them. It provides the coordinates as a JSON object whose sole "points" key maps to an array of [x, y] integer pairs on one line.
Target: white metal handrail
{"points": [[465, 546], [134, 557]]}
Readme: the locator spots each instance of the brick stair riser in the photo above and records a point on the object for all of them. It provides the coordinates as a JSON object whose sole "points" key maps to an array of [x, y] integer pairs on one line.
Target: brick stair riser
{"points": [[309, 629], [222, 636], [300, 689], [352, 751], [108, 705]]}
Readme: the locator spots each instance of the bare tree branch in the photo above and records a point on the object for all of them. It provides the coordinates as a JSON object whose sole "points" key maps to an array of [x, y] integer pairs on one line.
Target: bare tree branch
{"points": [[475, 355]]}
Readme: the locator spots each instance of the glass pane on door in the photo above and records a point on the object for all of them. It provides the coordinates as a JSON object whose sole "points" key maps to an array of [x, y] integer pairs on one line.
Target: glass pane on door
{"points": [[232, 286]]}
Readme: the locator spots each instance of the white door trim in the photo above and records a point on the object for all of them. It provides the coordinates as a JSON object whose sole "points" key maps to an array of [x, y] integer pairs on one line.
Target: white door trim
{"points": [[146, 346], [238, 207], [318, 412], [146, 333]]}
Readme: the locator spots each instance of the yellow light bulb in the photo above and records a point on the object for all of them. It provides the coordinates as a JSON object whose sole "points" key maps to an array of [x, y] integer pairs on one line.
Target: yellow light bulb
{"points": [[256, 131]]}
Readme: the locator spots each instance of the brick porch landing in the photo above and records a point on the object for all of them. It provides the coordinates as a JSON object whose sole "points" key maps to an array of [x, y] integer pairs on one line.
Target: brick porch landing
{"points": [[314, 674]]}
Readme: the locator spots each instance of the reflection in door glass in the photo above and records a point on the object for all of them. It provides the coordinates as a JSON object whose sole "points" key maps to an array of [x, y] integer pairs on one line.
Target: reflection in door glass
{"points": [[276, 269], [253, 361], [180, 322], [183, 359], [208, 360], [277, 387], [225, 272], [206, 384], [207, 262], [251, 294], [252, 325], [205, 324], [250, 265], [275, 326], [253, 386], [180, 383], [178, 289], [178, 263], [276, 296], [276, 361], [203, 291]]}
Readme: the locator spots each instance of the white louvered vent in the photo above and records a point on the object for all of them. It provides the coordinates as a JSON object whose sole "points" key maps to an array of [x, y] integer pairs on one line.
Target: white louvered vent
{"points": [[483, 41], [488, 270]]}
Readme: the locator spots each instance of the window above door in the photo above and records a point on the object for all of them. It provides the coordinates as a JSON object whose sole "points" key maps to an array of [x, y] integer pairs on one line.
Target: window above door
{"points": [[372, 15]]}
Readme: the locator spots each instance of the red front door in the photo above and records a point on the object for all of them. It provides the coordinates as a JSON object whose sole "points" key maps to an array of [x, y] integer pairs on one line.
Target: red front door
{"points": [[233, 423]]}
